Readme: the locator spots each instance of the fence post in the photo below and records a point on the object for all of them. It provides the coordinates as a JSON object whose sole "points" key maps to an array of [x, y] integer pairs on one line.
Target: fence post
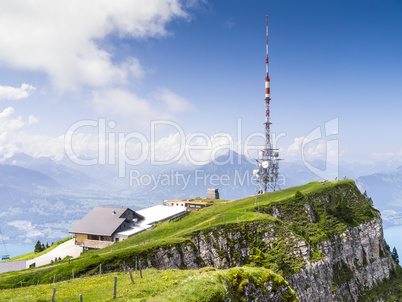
{"points": [[140, 270], [54, 294], [73, 274], [80, 298], [131, 276], [100, 269], [115, 287], [135, 264], [54, 278]]}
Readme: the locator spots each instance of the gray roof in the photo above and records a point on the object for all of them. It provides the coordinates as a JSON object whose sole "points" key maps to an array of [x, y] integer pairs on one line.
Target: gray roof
{"points": [[102, 221]]}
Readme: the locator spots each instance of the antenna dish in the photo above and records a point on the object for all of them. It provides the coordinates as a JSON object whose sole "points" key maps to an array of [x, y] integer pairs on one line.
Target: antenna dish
{"points": [[265, 164]]}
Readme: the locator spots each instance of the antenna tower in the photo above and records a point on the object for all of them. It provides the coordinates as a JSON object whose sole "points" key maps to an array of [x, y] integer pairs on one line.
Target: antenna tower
{"points": [[268, 161]]}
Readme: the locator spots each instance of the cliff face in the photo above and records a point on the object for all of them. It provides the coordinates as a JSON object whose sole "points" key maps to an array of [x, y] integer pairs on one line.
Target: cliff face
{"points": [[356, 260], [328, 246]]}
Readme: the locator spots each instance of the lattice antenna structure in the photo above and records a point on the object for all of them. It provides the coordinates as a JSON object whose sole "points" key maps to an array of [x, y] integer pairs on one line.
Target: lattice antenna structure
{"points": [[268, 161]]}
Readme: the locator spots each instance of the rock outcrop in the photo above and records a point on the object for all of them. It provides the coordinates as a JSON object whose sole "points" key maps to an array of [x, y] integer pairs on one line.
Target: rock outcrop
{"points": [[356, 260], [339, 268]]}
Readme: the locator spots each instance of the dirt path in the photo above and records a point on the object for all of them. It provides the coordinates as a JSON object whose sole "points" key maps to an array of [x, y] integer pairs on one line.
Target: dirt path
{"points": [[67, 248], [197, 225]]}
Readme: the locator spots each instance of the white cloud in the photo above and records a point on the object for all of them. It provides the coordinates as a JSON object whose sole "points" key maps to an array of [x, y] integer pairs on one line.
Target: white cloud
{"points": [[387, 155], [186, 148], [174, 102], [14, 140], [311, 150], [134, 67], [62, 38], [13, 93], [294, 150], [194, 148], [163, 104], [120, 102], [9, 121]]}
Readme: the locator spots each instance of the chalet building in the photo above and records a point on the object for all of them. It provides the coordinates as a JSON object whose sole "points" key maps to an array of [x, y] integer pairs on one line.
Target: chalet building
{"points": [[194, 204], [191, 205], [175, 203], [105, 225]]}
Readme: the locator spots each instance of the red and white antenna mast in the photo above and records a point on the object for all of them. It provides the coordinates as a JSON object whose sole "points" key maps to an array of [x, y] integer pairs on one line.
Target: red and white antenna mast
{"points": [[267, 100], [268, 162]]}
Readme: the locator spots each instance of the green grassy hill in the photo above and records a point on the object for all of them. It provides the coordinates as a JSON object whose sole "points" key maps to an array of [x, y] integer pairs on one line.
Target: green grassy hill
{"points": [[206, 284], [313, 213]]}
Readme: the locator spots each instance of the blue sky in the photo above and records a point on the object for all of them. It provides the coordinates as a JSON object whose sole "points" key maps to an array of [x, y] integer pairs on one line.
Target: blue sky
{"points": [[201, 65]]}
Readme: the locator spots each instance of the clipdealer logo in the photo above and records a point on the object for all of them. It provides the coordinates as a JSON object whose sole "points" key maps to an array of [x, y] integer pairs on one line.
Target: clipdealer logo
{"points": [[116, 148]]}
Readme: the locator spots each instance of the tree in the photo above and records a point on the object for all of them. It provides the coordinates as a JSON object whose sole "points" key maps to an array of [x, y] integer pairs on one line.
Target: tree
{"points": [[47, 245], [367, 198], [365, 195], [394, 255], [38, 247]]}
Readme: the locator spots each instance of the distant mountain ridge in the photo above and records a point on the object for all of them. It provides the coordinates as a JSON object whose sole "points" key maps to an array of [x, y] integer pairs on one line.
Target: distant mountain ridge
{"points": [[386, 191], [65, 176], [41, 199], [25, 179], [50, 196]]}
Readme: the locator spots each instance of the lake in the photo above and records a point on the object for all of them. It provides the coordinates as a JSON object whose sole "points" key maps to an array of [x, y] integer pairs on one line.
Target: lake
{"points": [[394, 239], [16, 249]]}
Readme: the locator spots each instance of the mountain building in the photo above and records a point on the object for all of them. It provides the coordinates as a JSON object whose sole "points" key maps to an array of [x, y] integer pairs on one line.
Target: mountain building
{"points": [[104, 226]]}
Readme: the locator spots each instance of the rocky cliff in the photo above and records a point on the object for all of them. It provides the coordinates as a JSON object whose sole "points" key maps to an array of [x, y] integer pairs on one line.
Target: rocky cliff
{"points": [[328, 245], [317, 242], [355, 261]]}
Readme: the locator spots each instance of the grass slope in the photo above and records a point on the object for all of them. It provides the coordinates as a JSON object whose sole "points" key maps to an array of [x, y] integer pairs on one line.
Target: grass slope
{"points": [[206, 284]]}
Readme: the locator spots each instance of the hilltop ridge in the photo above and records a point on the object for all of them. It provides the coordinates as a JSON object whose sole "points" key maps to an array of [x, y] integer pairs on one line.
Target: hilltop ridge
{"points": [[325, 239]]}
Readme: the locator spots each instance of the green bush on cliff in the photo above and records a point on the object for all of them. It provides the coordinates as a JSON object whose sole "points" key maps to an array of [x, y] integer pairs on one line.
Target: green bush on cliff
{"points": [[326, 212]]}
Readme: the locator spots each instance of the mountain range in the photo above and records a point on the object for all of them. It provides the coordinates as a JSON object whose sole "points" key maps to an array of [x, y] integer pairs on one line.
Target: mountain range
{"points": [[385, 188], [41, 198]]}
